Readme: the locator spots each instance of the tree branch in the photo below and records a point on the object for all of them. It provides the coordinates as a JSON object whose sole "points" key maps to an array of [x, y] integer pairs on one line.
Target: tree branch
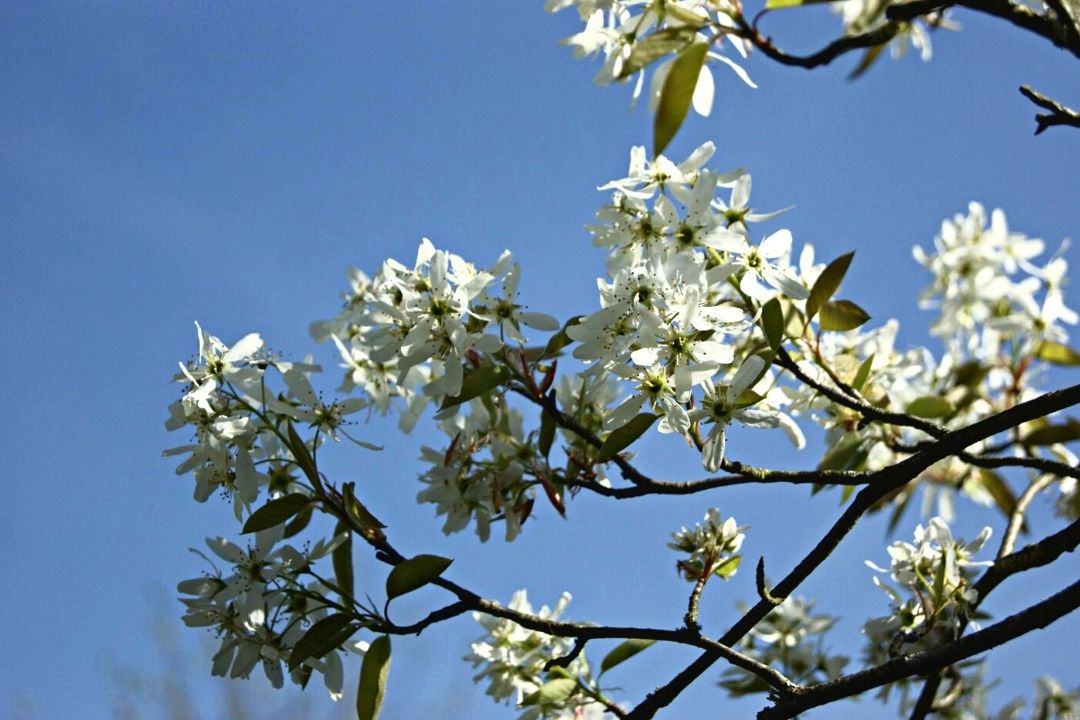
{"points": [[885, 481], [1058, 115], [1037, 616]]}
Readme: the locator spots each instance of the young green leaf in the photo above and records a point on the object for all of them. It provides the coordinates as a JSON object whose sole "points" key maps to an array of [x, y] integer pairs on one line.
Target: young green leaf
{"points": [[414, 573], [322, 637], [623, 652], [772, 323], [373, 674], [477, 382], [276, 512], [676, 94], [842, 315], [866, 61], [547, 433], [970, 374], [862, 374], [847, 454], [553, 692], [1056, 353], [655, 46], [559, 340], [728, 568], [299, 523], [827, 284], [999, 490], [929, 406], [343, 563], [302, 455], [622, 438], [1049, 434], [784, 4], [373, 529]]}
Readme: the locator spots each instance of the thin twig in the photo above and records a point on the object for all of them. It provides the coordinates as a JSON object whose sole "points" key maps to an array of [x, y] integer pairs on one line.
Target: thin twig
{"points": [[1058, 115], [1016, 518]]}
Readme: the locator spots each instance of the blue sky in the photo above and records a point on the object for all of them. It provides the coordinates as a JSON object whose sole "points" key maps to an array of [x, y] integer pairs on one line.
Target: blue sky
{"points": [[162, 163]]}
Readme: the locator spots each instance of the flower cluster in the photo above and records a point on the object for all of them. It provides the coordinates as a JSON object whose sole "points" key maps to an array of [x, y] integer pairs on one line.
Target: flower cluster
{"points": [[713, 547], [790, 639], [988, 290], [513, 661], [684, 282], [261, 608], [937, 595], [440, 312], [631, 35], [237, 420]]}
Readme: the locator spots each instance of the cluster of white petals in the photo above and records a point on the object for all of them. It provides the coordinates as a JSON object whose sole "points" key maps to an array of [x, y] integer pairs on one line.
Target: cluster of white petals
{"points": [[790, 639], [613, 28], [511, 660], [935, 593], [713, 546], [261, 607]]}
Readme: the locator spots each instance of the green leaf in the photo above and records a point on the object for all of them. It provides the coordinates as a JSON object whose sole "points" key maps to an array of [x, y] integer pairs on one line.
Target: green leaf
{"points": [[970, 374], [647, 51], [747, 398], [477, 382], [299, 523], [772, 323], [784, 4], [368, 523], [676, 94], [929, 406], [623, 652], [899, 508], [727, 568], [276, 512], [842, 315], [1056, 353], [862, 374], [343, 563], [414, 573], [547, 432], [623, 437], [553, 692], [827, 284], [322, 637], [847, 454], [1050, 434], [559, 340], [302, 455], [999, 490], [373, 674], [866, 62]]}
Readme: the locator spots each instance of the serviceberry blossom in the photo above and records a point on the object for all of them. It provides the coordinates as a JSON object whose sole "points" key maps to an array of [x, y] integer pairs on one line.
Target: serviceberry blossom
{"points": [[261, 609], [936, 594], [511, 660], [791, 639], [713, 546], [614, 27]]}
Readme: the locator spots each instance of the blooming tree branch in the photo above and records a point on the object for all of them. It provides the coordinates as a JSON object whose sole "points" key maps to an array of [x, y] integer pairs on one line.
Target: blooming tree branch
{"points": [[701, 324]]}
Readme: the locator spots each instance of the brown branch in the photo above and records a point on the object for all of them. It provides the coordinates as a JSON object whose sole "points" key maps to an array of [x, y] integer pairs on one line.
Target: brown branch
{"points": [[785, 361], [1058, 115], [885, 481], [1036, 555], [1037, 616]]}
